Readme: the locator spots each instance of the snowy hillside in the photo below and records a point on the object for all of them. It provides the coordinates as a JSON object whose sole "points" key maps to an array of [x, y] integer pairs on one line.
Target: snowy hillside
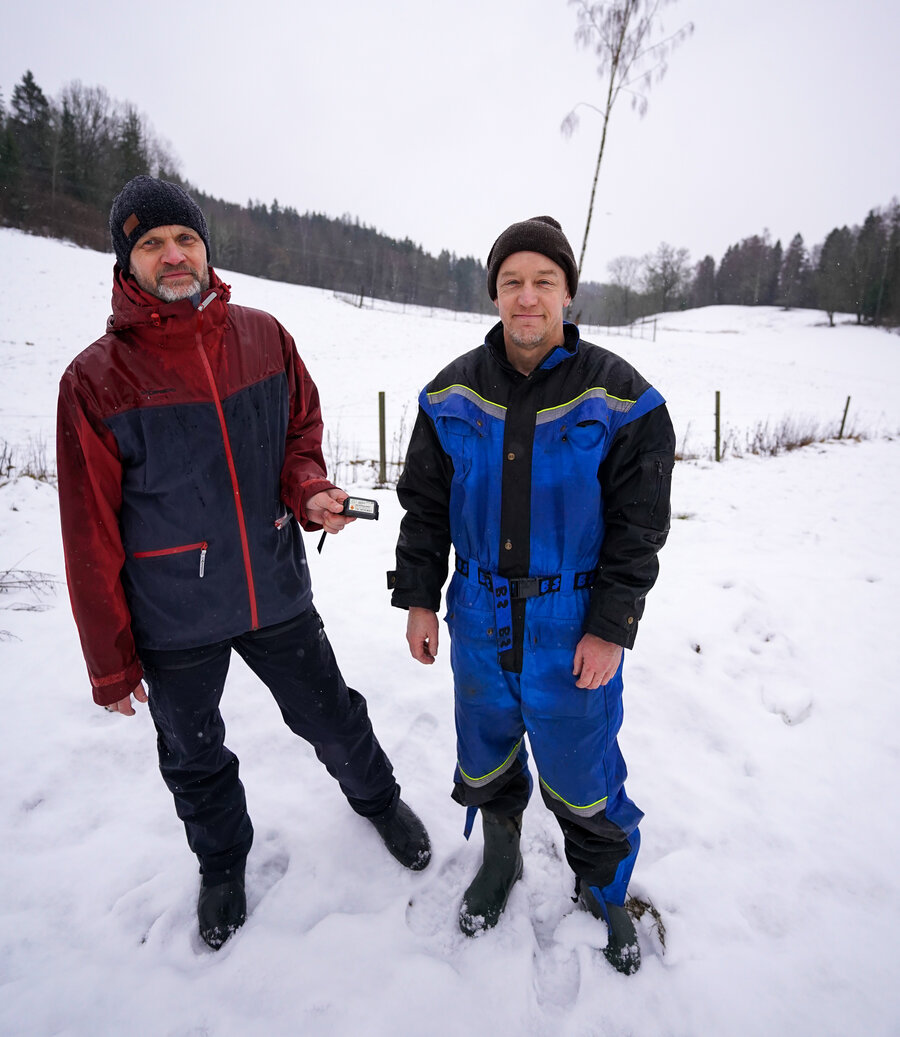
{"points": [[762, 729]]}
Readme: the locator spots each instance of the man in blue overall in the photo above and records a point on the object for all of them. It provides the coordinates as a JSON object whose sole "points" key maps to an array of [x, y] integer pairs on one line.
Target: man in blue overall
{"points": [[546, 462]]}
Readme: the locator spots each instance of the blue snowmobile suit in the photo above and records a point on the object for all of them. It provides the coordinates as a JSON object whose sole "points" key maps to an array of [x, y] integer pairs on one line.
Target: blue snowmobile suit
{"points": [[553, 489]]}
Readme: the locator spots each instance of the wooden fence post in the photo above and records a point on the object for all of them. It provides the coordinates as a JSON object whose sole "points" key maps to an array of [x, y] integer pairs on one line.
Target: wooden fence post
{"points": [[844, 418], [382, 463], [718, 425]]}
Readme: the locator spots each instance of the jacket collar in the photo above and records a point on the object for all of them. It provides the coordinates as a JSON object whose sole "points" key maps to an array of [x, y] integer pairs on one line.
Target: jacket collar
{"points": [[497, 347], [172, 324]]}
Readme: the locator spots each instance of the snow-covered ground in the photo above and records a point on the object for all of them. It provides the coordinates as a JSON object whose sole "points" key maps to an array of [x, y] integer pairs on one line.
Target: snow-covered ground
{"points": [[762, 730]]}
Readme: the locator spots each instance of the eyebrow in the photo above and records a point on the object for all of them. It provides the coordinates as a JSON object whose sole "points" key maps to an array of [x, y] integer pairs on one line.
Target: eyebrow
{"points": [[538, 273]]}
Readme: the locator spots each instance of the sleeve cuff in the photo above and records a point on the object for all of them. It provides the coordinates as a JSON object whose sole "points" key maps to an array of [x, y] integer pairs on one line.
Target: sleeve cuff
{"points": [[116, 686]]}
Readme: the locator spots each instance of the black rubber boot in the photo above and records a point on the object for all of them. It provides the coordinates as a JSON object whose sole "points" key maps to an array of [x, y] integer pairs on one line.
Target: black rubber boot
{"points": [[405, 837], [484, 901], [622, 950], [221, 909]]}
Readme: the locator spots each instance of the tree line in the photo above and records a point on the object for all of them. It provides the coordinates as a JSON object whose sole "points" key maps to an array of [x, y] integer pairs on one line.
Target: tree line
{"points": [[63, 160], [856, 270]]}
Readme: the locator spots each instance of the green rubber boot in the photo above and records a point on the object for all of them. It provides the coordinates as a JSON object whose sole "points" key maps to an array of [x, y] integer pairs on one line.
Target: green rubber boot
{"points": [[501, 868], [622, 950]]}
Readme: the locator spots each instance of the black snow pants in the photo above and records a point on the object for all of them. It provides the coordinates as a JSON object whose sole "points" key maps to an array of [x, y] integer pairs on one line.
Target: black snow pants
{"points": [[295, 661]]}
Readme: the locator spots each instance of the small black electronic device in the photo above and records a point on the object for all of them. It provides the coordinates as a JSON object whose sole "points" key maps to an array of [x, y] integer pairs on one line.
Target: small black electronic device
{"points": [[361, 507], [355, 507]]}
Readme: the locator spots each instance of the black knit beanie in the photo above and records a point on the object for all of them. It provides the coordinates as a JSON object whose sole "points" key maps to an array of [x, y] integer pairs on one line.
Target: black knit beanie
{"points": [[539, 234], [145, 203]]}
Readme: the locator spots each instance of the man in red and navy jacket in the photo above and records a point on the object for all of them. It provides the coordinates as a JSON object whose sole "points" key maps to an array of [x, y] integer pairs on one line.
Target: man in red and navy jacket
{"points": [[189, 441]]}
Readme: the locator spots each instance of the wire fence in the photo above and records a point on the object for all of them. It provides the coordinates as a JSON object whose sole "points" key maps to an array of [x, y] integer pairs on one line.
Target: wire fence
{"points": [[717, 440], [367, 302], [637, 329]]}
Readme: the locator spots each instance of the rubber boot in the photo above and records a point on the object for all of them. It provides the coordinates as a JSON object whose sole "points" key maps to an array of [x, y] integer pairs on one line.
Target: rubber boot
{"points": [[405, 837], [221, 909], [501, 868], [621, 950]]}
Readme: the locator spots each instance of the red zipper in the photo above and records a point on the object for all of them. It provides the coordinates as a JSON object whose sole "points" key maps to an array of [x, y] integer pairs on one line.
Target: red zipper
{"points": [[201, 547], [229, 457]]}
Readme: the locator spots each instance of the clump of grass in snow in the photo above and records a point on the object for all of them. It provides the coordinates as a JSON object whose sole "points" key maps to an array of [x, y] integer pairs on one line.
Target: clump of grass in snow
{"points": [[637, 907], [29, 462], [767, 440]]}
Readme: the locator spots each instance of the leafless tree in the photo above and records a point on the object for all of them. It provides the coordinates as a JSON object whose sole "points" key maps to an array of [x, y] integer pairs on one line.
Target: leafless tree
{"points": [[666, 274], [624, 272], [628, 41]]}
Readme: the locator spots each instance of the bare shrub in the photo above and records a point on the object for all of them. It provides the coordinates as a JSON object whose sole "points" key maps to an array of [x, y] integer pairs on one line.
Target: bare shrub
{"points": [[765, 440], [346, 467], [682, 453], [29, 462], [397, 457], [6, 462], [26, 579]]}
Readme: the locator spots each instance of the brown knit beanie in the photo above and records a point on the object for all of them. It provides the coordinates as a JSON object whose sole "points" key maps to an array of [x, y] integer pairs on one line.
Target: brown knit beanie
{"points": [[539, 234], [145, 203]]}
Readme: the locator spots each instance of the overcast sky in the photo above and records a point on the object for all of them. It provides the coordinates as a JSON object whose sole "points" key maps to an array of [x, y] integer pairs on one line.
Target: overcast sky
{"points": [[441, 122]]}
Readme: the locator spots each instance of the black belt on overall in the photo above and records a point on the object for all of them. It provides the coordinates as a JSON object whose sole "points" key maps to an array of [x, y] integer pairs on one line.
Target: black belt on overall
{"points": [[506, 589]]}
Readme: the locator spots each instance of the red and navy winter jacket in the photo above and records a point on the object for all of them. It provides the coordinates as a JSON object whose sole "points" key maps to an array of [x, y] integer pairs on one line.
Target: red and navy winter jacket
{"points": [[186, 437]]}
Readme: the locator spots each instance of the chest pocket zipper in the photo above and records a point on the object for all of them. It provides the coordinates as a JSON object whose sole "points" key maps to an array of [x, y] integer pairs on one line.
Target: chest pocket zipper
{"points": [[202, 547]]}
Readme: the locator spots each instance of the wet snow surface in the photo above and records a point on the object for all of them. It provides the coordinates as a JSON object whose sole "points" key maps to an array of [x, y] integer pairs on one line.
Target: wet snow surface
{"points": [[761, 730]]}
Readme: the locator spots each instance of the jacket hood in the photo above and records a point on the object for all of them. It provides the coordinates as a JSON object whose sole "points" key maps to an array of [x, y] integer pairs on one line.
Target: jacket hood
{"points": [[133, 308]]}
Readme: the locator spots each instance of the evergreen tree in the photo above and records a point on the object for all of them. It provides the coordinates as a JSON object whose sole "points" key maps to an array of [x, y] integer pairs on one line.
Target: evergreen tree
{"points": [[65, 164], [794, 273], [887, 306], [834, 274], [728, 277], [130, 146], [773, 278], [748, 275], [8, 162], [703, 289], [868, 266], [755, 256], [32, 130]]}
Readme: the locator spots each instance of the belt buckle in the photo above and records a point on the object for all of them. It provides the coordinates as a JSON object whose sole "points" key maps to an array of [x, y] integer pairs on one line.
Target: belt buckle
{"points": [[524, 587]]}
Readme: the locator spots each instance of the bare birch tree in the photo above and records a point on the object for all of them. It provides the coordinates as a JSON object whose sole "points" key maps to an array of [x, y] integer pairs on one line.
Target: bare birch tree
{"points": [[624, 272], [624, 36]]}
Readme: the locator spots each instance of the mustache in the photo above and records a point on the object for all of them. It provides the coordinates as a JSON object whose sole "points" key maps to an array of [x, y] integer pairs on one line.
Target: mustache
{"points": [[182, 268]]}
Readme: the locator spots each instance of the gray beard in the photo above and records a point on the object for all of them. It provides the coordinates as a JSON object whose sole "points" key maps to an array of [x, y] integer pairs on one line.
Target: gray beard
{"points": [[536, 338], [168, 293]]}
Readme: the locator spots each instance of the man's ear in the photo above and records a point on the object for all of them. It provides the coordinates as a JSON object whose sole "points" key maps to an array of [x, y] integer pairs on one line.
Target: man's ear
{"points": [[496, 302]]}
